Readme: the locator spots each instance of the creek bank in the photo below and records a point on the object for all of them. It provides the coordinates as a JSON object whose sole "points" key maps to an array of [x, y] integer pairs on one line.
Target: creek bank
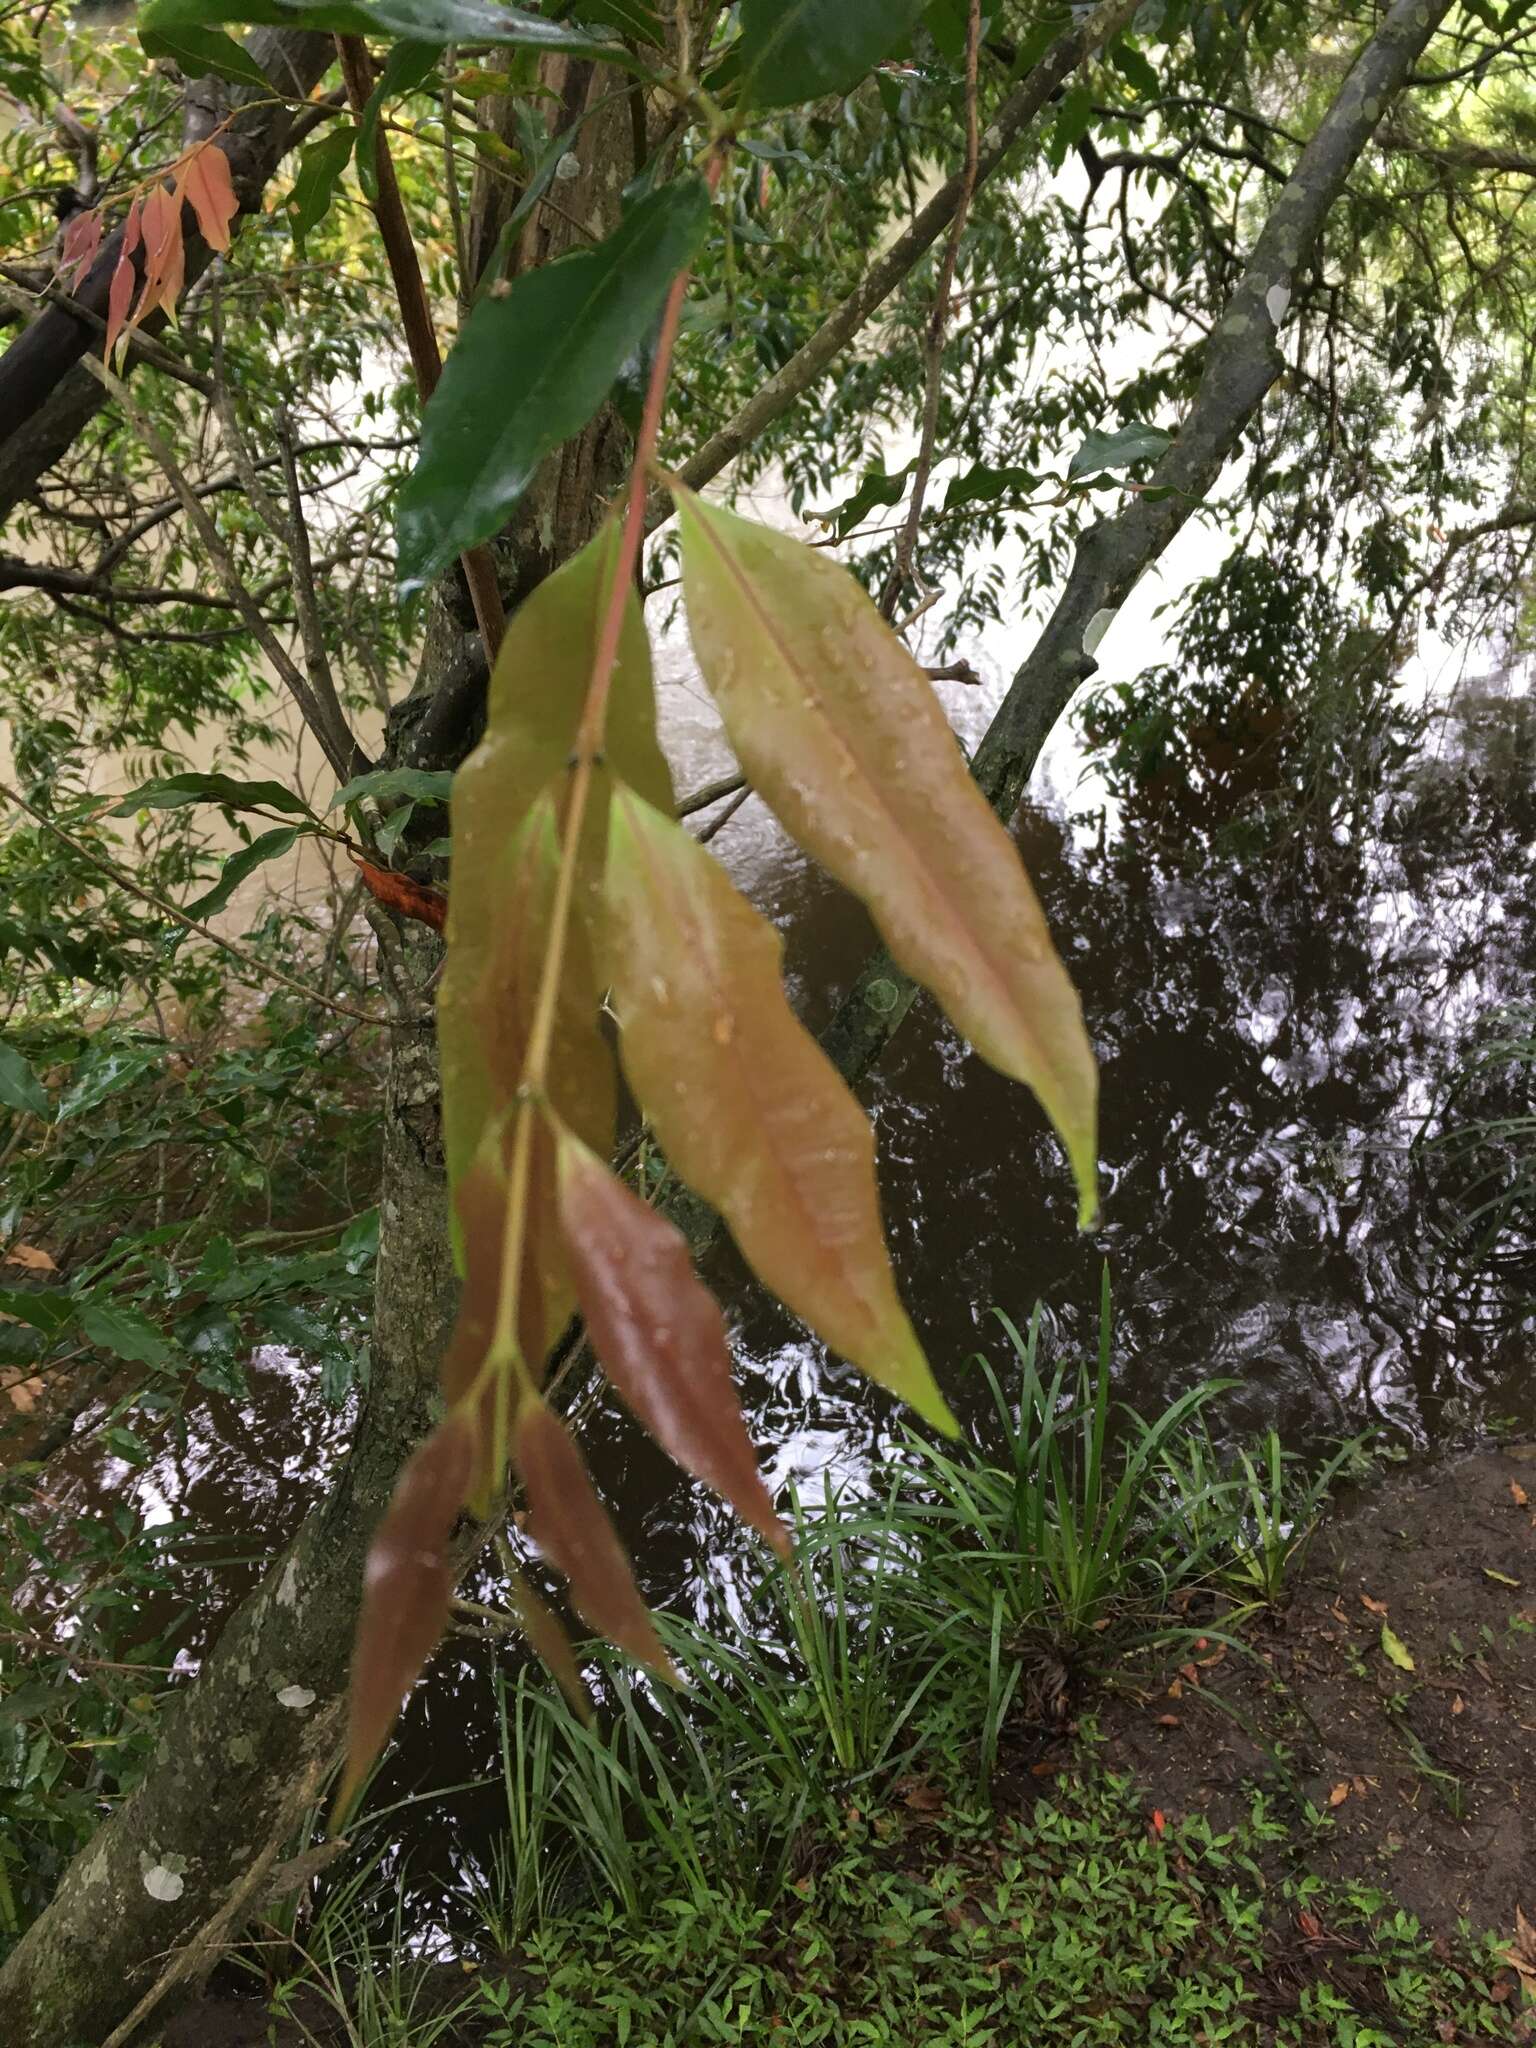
{"points": [[1272, 1844], [1424, 1770]]}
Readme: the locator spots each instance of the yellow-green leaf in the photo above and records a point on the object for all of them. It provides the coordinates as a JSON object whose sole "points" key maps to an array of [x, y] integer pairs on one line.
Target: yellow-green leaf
{"points": [[747, 1107], [1396, 1649], [839, 730]]}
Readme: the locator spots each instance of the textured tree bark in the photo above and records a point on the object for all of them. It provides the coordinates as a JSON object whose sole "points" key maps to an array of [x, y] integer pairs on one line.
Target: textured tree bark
{"points": [[46, 399], [251, 1722], [233, 1742]]}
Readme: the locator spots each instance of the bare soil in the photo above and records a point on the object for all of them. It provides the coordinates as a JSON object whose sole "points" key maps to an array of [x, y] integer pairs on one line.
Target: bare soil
{"points": [[1428, 1774]]}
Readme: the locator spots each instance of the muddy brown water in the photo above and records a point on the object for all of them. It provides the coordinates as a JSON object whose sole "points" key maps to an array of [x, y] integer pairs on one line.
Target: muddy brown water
{"points": [[1274, 1029]]}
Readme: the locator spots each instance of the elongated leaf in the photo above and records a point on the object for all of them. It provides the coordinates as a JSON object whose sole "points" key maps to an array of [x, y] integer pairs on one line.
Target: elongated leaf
{"points": [[270, 846], [530, 370], [422, 785], [46, 1309], [986, 486], [123, 1332], [550, 1644], [497, 924], [876, 489], [746, 1105], [407, 1587], [839, 729], [571, 1526], [422, 21], [199, 51], [1126, 445], [794, 50], [171, 792], [320, 167], [19, 1086], [209, 191], [658, 1332]]}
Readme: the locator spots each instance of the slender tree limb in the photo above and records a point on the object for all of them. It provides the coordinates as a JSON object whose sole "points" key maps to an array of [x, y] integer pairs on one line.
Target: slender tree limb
{"points": [[478, 563], [1242, 362], [904, 569], [809, 362]]}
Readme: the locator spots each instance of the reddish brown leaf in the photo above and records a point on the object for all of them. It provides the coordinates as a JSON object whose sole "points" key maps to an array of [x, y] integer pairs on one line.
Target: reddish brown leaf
{"points": [[165, 255], [1339, 1793], [82, 238], [124, 279], [1377, 1607], [1518, 1494], [571, 1526], [402, 895], [839, 729], [748, 1108], [658, 1332], [551, 1645], [407, 1585], [203, 176]]}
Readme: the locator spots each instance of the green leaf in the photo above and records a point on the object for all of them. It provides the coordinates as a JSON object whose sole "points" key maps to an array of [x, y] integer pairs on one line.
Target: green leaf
{"points": [[41, 1308], [420, 21], [171, 792], [1396, 1649], [1119, 449], [530, 370], [198, 51], [105, 1070], [360, 1241], [1136, 70], [123, 1332], [19, 1085], [986, 486], [746, 1105], [840, 731], [270, 846], [796, 50], [421, 785], [405, 68], [1074, 117], [876, 489], [320, 167]]}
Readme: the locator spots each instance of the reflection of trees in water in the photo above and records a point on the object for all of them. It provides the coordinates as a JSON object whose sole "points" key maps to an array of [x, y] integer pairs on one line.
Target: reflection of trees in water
{"points": [[1275, 1029]]}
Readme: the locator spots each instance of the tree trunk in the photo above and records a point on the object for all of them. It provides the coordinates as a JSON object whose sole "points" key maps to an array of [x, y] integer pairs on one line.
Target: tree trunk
{"points": [[265, 1701], [232, 1743]]}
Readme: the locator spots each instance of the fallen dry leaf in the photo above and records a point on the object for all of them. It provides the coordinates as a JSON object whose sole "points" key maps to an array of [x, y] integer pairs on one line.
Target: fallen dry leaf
{"points": [[1376, 1607], [1310, 1926], [1339, 1793], [1168, 1721], [1176, 1690], [1189, 1671], [1521, 1953], [1518, 1494], [32, 1257], [1499, 1578], [1215, 1657], [1458, 1705], [1157, 1822], [922, 1796]]}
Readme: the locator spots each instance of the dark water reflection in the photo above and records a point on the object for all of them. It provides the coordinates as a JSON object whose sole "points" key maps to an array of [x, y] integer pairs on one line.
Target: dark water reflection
{"points": [[1274, 1032]]}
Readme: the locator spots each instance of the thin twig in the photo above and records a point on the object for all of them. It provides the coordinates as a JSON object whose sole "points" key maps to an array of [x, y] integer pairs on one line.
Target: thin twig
{"points": [[264, 970], [416, 318], [224, 562], [904, 570]]}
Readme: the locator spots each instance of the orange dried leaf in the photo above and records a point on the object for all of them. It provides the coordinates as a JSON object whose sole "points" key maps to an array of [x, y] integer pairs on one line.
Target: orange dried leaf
{"points": [[658, 1332], [400, 894], [82, 239], [571, 1526], [839, 729], [124, 279], [407, 1585], [1376, 1607], [1518, 1494], [203, 176], [1339, 1793], [746, 1105], [164, 254]]}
